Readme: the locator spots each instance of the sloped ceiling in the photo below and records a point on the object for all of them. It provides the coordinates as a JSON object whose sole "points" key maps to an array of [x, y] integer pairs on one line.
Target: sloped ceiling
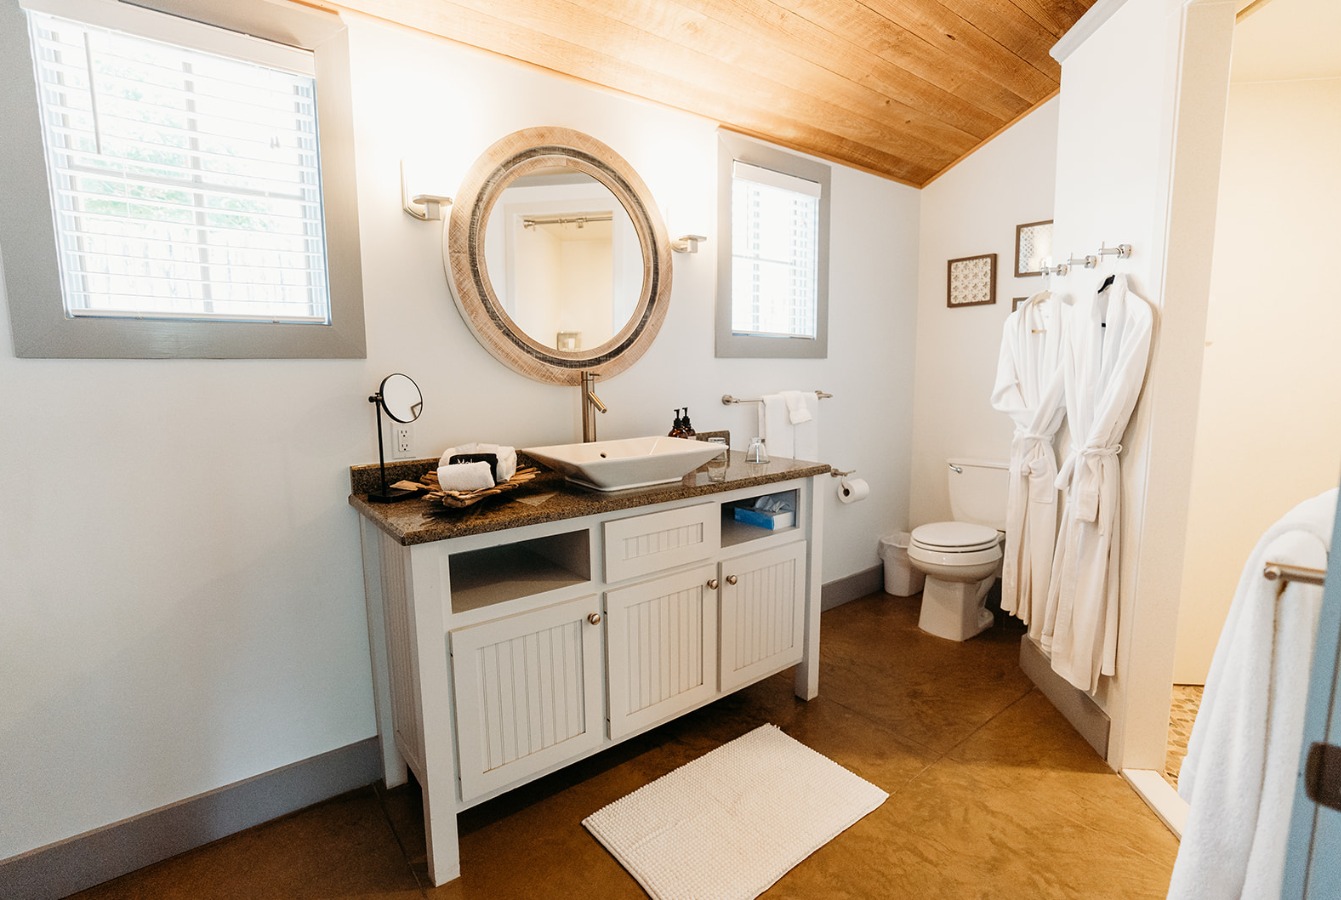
{"points": [[901, 88]]}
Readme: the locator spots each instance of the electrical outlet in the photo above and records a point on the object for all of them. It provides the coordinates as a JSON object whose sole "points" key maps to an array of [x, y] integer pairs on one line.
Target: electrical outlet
{"points": [[402, 441]]}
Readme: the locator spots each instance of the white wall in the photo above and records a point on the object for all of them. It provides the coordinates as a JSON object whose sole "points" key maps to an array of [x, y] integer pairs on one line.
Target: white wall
{"points": [[971, 210], [182, 594], [1139, 133], [1268, 433]]}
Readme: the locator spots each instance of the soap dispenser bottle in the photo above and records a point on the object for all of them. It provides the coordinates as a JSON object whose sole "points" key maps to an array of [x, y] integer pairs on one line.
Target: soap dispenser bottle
{"points": [[677, 426], [688, 429]]}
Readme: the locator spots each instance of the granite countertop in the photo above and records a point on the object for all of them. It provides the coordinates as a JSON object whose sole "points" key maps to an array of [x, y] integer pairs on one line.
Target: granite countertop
{"points": [[546, 499]]}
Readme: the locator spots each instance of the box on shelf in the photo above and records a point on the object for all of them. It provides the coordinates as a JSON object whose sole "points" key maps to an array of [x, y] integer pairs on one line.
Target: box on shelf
{"points": [[764, 518]]}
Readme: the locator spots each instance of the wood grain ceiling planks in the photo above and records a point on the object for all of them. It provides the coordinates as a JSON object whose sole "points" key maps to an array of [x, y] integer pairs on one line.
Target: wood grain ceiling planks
{"points": [[901, 88]]}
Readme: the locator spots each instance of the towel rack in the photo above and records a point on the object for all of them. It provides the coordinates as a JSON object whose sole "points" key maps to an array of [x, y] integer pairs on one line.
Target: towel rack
{"points": [[1286, 572], [727, 399]]}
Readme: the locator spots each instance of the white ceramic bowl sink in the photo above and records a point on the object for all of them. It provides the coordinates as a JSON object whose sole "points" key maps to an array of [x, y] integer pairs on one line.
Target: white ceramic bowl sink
{"points": [[627, 463]]}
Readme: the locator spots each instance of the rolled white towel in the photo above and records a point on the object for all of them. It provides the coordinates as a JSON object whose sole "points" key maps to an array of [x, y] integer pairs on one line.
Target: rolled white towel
{"points": [[466, 476], [507, 457]]}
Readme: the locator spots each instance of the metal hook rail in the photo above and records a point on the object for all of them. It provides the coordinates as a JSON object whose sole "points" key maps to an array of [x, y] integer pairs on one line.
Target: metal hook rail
{"points": [[1089, 261]]}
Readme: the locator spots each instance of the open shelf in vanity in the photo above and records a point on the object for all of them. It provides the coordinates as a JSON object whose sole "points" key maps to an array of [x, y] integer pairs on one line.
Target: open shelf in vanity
{"points": [[524, 568]]}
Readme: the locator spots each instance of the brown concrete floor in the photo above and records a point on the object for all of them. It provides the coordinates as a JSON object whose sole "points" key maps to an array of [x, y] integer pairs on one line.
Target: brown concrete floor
{"points": [[992, 795]]}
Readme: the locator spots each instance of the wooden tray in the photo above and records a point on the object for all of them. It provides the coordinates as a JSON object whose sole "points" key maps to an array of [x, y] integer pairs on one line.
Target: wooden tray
{"points": [[462, 499]]}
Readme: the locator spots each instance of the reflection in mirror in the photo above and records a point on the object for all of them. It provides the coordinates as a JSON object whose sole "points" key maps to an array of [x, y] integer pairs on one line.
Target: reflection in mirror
{"points": [[401, 397], [563, 258]]}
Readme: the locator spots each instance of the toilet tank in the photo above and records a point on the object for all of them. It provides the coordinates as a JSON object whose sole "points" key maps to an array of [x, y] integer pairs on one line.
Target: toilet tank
{"points": [[978, 490]]}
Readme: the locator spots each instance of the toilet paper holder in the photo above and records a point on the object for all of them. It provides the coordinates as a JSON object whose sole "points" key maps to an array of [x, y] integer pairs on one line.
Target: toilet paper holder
{"points": [[839, 473]]}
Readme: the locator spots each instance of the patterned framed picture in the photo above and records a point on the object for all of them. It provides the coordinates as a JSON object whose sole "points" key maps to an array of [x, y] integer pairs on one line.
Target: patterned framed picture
{"points": [[1033, 244], [971, 281]]}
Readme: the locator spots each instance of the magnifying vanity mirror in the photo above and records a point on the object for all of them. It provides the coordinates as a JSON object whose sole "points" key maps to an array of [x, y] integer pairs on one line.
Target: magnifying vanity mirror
{"points": [[400, 398], [557, 257]]}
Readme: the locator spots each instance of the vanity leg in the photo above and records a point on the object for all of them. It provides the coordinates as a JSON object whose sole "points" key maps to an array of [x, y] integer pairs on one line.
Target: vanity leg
{"points": [[439, 782], [441, 838], [393, 764], [807, 672]]}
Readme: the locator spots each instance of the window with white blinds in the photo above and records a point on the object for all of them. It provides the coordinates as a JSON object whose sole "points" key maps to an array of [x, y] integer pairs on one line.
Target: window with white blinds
{"points": [[774, 252], [184, 172]]}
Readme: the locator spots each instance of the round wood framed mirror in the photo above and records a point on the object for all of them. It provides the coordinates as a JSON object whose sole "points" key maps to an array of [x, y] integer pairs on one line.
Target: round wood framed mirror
{"points": [[557, 257]]}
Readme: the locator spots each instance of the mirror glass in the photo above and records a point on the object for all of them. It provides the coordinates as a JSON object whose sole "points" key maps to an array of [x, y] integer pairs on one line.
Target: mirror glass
{"points": [[563, 258], [557, 257], [401, 397]]}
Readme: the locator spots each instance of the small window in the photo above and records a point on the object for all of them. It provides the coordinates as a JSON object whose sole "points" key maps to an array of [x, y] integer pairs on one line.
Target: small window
{"points": [[185, 184], [772, 272], [189, 203]]}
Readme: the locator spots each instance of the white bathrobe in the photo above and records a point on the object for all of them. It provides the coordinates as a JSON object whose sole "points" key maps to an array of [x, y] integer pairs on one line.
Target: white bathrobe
{"points": [[1243, 756], [1029, 389], [1104, 358]]}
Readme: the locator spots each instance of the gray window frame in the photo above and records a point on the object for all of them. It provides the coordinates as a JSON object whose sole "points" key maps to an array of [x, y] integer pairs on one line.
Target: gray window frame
{"points": [[41, 327], [731, 344]]}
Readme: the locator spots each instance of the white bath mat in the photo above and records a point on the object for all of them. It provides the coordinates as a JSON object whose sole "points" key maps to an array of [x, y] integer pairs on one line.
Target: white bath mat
{"points": [[728, 825]]}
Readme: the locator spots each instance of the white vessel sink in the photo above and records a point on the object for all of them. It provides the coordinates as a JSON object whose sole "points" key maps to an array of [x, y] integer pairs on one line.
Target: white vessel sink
{"points": [[627, 463]]}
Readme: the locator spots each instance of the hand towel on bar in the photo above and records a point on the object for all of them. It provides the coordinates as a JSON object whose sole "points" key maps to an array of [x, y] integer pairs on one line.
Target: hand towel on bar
{"points": [[507, 457], [466, 476], [782, 437], [1243, 756], [797, 410]]}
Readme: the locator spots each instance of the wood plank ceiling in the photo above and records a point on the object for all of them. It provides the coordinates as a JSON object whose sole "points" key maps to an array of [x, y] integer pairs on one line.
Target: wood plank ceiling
{"points": [[900, 88]]}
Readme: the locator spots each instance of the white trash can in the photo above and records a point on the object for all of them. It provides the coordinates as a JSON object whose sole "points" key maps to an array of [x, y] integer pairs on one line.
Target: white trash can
{"points": [[901, 579]]}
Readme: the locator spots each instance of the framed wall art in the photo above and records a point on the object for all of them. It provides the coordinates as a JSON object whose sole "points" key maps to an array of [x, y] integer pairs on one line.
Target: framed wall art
{"points": [[971, 281], [1015, 302], [1033, 244]]}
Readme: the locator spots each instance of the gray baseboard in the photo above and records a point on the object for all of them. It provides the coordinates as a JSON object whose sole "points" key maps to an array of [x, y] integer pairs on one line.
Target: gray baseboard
{"points": [[1075, 705], [859, 584], [84, 860]]}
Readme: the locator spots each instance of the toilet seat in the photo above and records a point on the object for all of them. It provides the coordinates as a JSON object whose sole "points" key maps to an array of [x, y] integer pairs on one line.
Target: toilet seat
{"points": [[955, 537]]}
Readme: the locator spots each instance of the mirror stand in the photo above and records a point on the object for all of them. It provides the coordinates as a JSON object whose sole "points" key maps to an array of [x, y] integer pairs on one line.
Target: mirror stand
{"points": [[402, 400]]}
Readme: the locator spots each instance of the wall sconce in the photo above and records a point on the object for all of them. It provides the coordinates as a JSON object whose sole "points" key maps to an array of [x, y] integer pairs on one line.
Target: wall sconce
{"points": [[424, 207], [688, 243]]}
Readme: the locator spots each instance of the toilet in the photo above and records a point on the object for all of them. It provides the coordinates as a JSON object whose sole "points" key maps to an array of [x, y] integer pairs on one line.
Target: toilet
{"points": [[962, 559]]}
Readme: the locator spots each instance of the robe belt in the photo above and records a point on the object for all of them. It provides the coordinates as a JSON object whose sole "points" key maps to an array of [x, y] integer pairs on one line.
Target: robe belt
{"points": [[1086, 491], [1035, 461]]}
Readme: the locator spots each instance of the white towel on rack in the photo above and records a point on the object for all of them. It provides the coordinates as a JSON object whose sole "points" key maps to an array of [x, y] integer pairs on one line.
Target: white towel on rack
{"points": [[1243, 756], [797, 410], [784, 439]]}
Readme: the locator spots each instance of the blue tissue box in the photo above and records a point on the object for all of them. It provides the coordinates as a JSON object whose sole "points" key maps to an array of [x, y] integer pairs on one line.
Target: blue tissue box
{"points": [[765, 519]]}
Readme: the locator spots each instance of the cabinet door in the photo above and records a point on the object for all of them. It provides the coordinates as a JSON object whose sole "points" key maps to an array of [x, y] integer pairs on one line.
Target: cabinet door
{"points": [[528, 693], [762, 613], [661, 647]]}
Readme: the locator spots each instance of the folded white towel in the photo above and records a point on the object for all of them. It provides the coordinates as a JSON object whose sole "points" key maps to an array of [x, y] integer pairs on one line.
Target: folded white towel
{"points": [[466, 476], [507, 457], [797, 410]]}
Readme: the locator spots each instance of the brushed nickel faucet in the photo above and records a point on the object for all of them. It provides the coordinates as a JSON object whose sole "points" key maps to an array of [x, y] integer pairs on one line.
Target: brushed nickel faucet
{"points": [[591, 404]]}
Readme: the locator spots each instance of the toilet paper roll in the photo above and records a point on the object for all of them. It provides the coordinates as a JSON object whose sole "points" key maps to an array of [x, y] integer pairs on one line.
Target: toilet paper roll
{"points": [[850, 490]]}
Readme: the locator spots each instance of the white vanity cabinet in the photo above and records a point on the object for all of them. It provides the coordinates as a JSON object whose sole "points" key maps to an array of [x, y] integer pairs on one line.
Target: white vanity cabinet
{"points": [[661, 648], [762, 621], [503, 655], [528, 693]]}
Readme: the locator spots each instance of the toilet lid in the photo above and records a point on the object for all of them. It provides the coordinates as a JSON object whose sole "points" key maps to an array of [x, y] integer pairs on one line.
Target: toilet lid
{"points": [[956, 537]]}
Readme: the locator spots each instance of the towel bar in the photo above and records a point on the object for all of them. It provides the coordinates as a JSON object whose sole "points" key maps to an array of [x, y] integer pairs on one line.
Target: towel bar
{"points": [[1287, 572], [727, 399]]}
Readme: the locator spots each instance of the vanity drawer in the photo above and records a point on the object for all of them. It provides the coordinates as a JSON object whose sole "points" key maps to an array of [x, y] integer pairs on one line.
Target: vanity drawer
{"points": [[640, 545]]}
